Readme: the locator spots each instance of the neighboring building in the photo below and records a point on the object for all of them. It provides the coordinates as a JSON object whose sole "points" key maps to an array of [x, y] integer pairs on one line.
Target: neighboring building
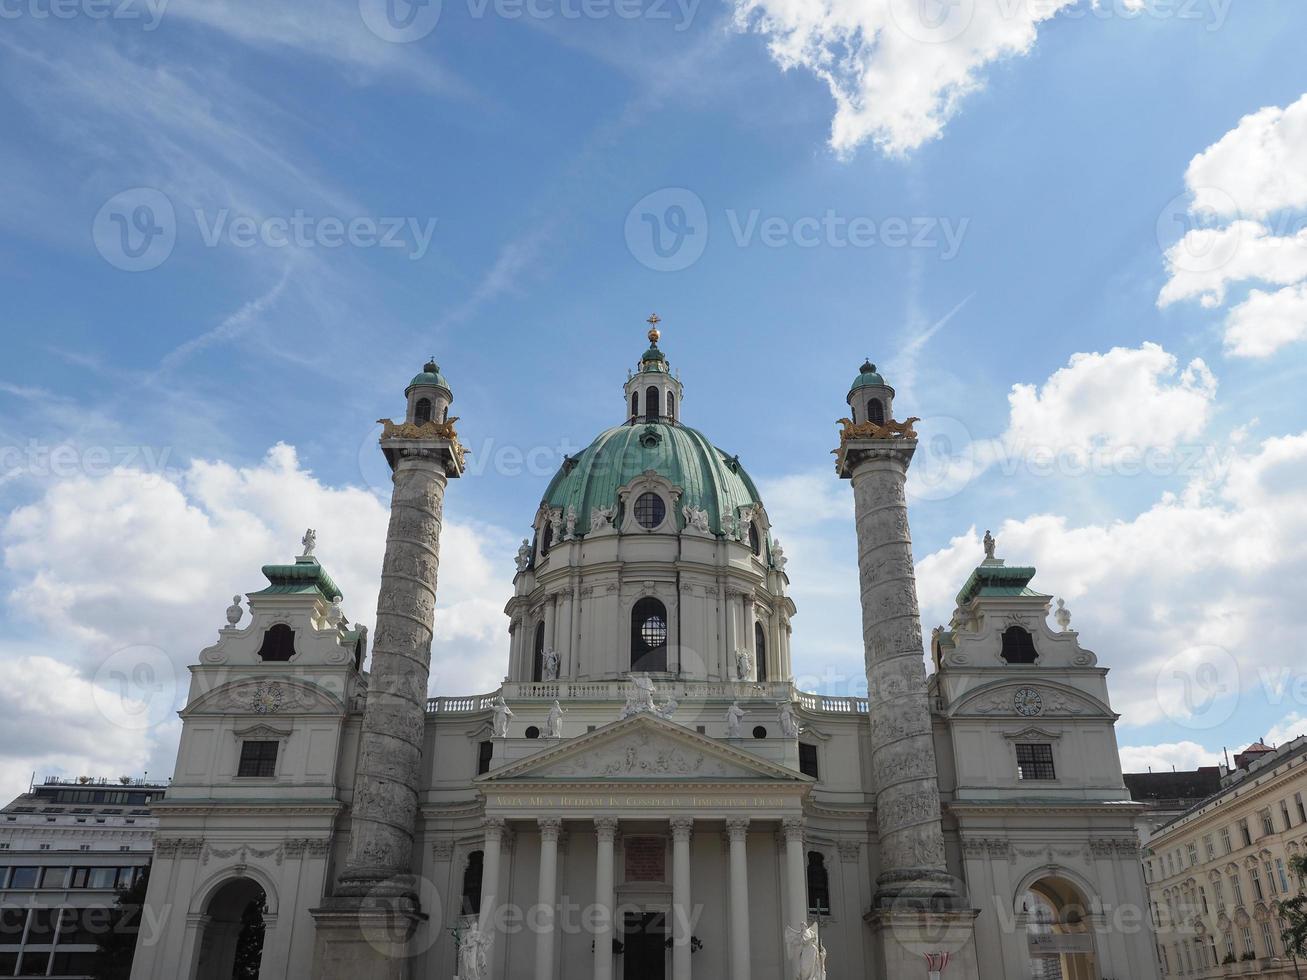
{"points": [[1216, 871], [1169, 794], [648, 777], [66, 848]]}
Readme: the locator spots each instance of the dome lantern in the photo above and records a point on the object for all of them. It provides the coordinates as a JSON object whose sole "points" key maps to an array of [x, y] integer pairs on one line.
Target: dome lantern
{"points": [[652, 393], [429, 395], [870, 398]]}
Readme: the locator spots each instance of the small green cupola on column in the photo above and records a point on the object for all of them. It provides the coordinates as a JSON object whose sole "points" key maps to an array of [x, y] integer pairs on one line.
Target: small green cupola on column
{"points": [[870, 398], [428, 395], [652, 394]]}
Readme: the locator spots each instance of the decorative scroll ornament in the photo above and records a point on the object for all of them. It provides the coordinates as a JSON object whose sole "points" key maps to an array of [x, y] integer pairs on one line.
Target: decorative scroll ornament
{"points": [[426, 430]]}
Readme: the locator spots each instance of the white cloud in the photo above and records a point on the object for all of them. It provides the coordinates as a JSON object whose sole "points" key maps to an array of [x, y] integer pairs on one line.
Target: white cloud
{"points": [[1245, 225], [1265, 322], [897, 69], [1257, 167], [102, 562], [1215, 566], [1168, 756], [1126, 397]]}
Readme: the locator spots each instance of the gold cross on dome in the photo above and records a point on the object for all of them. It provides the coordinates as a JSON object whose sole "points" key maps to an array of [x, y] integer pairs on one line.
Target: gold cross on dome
{"points": [[653, 322]]}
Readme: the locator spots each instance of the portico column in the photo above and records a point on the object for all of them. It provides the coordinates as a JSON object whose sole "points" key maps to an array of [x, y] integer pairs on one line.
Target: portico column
{"points": [[490, 872], [681, 909], [738, 830], [606, 830], [548, 897], [796, 877]]}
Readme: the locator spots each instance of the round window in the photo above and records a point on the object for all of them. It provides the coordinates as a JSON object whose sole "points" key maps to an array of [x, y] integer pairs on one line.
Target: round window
{"points": [[650, 510], [653, 631], [532, 732], [760, 732]]}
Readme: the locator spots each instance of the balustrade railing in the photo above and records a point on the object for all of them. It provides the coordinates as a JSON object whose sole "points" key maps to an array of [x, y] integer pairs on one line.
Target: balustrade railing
{"points": [[617, 690]]}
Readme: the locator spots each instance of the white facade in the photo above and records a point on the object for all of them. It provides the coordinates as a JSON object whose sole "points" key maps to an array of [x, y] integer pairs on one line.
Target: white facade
{"points": [[648, 773]]}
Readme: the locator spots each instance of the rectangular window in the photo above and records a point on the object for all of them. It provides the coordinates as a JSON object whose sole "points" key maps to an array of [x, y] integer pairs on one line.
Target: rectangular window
{"points": [[258, 759], [1244, 834], [102, 878], [24, 878], [1208, 847], [1225, 839], [54, 877], [1257, 884], [1192, 851], [1236, 889], [1229, 944], [1220, 894], [1268, 940], [485, 753], [808, 760], [1035, 762], [1302, 811], [1247, 935], [1284, 814], [1268, 826], [1284, 877], [1270, 876]]}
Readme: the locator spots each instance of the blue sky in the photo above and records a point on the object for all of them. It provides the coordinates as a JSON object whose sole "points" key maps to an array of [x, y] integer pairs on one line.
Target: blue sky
{"points": [[1077, 244]]}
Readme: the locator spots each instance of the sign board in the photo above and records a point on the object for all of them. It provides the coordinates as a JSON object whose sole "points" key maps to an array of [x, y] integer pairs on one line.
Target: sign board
{"points": [[1054, 944], [646, 858]]}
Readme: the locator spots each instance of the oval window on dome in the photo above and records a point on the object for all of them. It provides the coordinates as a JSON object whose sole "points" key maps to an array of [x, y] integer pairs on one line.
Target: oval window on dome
{"points": [[650, 510]]}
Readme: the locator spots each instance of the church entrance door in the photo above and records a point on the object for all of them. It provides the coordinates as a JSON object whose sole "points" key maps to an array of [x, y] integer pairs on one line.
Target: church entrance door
{"points": [[644, 954]]}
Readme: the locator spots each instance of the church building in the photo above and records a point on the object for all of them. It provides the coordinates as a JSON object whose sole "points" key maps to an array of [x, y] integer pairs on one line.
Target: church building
{"points": [[648, 795]]}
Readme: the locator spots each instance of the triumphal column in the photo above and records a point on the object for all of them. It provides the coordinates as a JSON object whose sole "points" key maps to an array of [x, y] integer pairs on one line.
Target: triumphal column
{"points": [[919, 907], [364, 928]]}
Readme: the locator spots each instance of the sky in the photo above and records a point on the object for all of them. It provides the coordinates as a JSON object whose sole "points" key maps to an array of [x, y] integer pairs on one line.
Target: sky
{"points": [[1072, 236]]}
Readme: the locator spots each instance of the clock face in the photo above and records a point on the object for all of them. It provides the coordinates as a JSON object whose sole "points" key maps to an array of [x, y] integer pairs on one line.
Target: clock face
{"points": [[266, 698], [1027, 701]]}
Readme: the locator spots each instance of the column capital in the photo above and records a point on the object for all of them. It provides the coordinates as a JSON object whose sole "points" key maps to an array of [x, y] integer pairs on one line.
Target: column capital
{"points": [[737, 828], [550, 828], [494, 828], [682, 828], [793, 828], [606, 828]]}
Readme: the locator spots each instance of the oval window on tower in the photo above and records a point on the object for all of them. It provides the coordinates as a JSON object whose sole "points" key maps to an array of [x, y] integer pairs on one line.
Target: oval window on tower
{"points": [[650, 510]]}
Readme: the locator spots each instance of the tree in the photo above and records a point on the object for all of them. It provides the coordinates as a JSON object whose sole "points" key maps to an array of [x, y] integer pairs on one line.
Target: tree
{"points": [[249, 943], [117, 943], [1294, 911]]}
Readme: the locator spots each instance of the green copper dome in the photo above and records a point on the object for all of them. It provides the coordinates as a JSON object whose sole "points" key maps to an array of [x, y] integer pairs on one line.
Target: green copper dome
{"points": [[868, 377], [709, 479], [430, 376]]}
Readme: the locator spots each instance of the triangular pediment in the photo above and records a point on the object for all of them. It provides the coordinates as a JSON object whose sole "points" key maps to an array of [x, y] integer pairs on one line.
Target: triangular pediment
{"points": [[644, 748]]}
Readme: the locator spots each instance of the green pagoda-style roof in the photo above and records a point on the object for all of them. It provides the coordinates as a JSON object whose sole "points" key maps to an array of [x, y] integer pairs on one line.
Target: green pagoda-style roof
{"points": [[998, 580], [709, 479], [304, 577]]}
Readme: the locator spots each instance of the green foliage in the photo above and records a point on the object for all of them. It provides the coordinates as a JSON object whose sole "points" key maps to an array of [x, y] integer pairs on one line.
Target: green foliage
{"points": [[1294, 911], [249, 943], [117, 945]]}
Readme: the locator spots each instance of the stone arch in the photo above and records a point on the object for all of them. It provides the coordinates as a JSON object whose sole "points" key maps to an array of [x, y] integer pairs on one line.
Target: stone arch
{"points": [[236, 915], [1056, 905]]}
